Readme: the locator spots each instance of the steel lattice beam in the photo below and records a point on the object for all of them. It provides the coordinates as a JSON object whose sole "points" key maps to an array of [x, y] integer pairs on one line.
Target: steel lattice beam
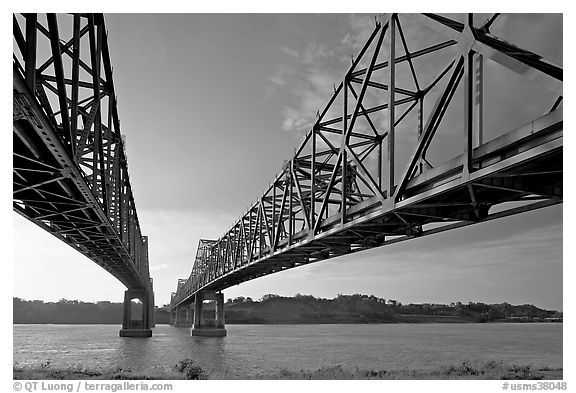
{"points": [[332, 199], [69, 164]]}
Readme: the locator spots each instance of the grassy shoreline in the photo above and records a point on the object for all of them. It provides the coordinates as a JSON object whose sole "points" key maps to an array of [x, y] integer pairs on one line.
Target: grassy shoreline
{"points": [[188, 369]]}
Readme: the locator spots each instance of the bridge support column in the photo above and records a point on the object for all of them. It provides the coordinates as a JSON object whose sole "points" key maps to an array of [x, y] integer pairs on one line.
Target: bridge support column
{"points": [[209, 327], [151, 310], [140, 327], [183, 316]]}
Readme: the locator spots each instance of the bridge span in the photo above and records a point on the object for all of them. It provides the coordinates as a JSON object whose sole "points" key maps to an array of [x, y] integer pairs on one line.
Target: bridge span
{"points": [[70, 172], [353, 184]]}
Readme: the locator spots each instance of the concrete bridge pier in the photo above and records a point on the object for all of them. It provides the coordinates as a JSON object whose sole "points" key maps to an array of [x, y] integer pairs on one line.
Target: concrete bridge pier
{"points": [[183, 316], [142, 325], [151, 309], [204, 326]]}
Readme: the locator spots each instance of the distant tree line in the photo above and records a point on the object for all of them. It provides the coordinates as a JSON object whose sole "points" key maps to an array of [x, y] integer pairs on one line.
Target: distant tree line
{"points": [[360, 308], [73, 312], [271, 309]]}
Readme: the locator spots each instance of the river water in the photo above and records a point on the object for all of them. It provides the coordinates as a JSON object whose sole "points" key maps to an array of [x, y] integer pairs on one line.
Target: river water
{"points": [[251, 350]]}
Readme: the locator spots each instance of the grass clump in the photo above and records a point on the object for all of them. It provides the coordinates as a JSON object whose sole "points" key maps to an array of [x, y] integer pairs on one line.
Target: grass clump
{"points": [[190, 369], [466, 370], [46, 370]]}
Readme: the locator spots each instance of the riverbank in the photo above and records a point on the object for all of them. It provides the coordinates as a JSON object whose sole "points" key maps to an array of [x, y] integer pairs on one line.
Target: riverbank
{"points": [[300, 309], [188, 369]]}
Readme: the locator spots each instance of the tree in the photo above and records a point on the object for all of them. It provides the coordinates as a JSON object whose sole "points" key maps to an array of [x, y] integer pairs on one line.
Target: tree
{"points": [[268, 296]]}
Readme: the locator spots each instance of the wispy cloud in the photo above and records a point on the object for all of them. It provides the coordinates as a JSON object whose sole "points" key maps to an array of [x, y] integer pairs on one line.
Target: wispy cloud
{"points": [[361, 26], [309, 75], [162, 266], [290, 52], [309, 79], [277, 80]]}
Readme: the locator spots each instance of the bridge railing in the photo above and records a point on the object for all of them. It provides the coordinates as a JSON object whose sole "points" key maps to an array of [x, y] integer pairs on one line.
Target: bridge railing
{"points": [[351, 169], [70, 167]]}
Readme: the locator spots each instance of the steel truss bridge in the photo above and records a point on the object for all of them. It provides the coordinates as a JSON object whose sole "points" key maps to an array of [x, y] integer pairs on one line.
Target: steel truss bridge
{"points": [[70, 173], [355, 182]]}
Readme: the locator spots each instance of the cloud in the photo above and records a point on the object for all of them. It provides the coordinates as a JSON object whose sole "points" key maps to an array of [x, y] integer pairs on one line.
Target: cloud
{"points": [[361, 26], [162, 266], [315, 52], [309, 75], [277, 79], [309, 81], [290, 52]]}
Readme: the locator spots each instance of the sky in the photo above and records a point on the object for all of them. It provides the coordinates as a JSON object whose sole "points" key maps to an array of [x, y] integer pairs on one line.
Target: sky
{"points": [[211, 106]]}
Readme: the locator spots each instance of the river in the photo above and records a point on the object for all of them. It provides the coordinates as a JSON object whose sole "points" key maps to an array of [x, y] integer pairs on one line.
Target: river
{"points": [[251, 350]]}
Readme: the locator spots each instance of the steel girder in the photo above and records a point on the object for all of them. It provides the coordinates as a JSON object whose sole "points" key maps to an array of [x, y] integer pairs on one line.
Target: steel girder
{"points": [[69, 166], [341, 192]]}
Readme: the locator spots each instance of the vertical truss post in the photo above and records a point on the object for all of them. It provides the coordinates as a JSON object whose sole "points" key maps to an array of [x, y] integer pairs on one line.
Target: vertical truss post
{"points": [[261, 213], [273, 239], [227, 253], [30, 61], [290, 203], [239, 253], [479, 100], [125, 200], [313, 182], [234, 249], [250, 236], [117, 187], [420, 129], [245, 241], [380, 142], [468, 105], [131, 236], [75, 79], [391, 91], [279, 225], [137, 255], [468, 111], [59, 72], [108, 168], [343, 149], [120, 204], [97, 151]]}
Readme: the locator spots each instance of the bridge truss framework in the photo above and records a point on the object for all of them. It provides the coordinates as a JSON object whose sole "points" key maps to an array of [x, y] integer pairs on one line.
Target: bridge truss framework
{"points": [[70, 172], [344, 190]]}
